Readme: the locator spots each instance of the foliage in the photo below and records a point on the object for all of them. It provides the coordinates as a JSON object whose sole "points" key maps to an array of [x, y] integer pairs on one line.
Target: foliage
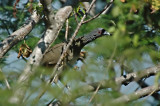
{"points": [[135, 29]]}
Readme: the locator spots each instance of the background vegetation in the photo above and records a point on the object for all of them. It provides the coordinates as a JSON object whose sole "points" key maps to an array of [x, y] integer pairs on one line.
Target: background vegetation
{"points": [[133, 47]]}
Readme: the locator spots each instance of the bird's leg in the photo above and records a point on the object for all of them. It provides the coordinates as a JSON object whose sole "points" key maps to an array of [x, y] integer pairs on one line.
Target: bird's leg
{"points": [[82, 56], [76, 68]]}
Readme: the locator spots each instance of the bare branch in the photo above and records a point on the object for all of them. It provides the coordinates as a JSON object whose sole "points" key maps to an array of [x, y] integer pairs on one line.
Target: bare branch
{"points": [[5, 25], [135, 76], [6, 81], [67, 29], [117, 81], [106, 8], [136, 95], [76, 17], [109, 65], [19, 34], [92, 11], [54, 25], [55, 71], [70, 42], [142, 84], [97, 89]]}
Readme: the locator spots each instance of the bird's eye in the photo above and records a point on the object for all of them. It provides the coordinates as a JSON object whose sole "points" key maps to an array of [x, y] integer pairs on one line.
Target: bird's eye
{"points": [[99, 32]]}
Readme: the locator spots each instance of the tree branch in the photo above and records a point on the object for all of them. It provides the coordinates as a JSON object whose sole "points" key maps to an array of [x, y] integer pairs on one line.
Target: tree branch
{"points": [[135, 76], [71, 40], [136, 95], [54, 25], [5, 79], [55, 70], [5, 25], [67, 29], [19, 34], [106, 8], [117, 81], [142, 84]]}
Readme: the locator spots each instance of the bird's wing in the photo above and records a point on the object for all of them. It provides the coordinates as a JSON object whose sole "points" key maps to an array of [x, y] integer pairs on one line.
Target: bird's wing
{"points": [[53, 54]]}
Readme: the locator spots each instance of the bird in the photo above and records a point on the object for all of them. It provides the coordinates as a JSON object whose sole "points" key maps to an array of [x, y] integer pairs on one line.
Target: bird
{"points": [[53, 54]]}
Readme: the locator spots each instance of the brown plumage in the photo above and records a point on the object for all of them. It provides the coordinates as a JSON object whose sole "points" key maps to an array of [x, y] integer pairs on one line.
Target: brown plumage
{"points": [[53, 54]]}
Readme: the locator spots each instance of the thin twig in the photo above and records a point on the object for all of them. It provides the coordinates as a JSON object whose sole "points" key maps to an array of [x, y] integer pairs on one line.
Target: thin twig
{"points": [[75, 15], [71, 40], [19, 34], [6, 27], [67, 29], [6, 81], [109, 64], [134, 76], [94, 93], [56, 21], [54, 73], [106, 8]]}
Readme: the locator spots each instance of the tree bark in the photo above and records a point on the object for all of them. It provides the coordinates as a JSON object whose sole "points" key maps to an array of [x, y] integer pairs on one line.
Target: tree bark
{"points": [[54, 25]]}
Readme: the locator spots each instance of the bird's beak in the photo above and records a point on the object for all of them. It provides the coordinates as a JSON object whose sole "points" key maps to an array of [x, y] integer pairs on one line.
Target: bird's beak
{"points": [[106, 33]]}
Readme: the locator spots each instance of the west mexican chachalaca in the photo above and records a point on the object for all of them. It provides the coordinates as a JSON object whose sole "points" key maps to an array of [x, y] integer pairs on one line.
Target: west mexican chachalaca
{"points": [[53, 54]]}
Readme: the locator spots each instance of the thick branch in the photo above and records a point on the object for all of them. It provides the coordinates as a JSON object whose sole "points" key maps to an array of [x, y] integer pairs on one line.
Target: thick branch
{"points": [[19, 34], [120, 80], [142, 84], [70, 42], [138, 94], [135, 76], [55, 71], [55, 24]]}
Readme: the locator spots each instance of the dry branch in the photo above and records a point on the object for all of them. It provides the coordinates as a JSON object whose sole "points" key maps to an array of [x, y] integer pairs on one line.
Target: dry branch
{"points": [[138, 94], [70, 42], [142, 84], [135, 76], [106, 8], [54, 25], [55, 70], [19, 34]]}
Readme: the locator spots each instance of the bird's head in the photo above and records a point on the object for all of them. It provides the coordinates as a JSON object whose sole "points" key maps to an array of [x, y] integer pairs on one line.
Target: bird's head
{"points": [[100, 32], [83, 40]]}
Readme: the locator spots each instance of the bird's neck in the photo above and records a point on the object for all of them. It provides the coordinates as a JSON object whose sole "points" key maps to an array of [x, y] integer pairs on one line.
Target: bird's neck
{"points": [[84, 40]]}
